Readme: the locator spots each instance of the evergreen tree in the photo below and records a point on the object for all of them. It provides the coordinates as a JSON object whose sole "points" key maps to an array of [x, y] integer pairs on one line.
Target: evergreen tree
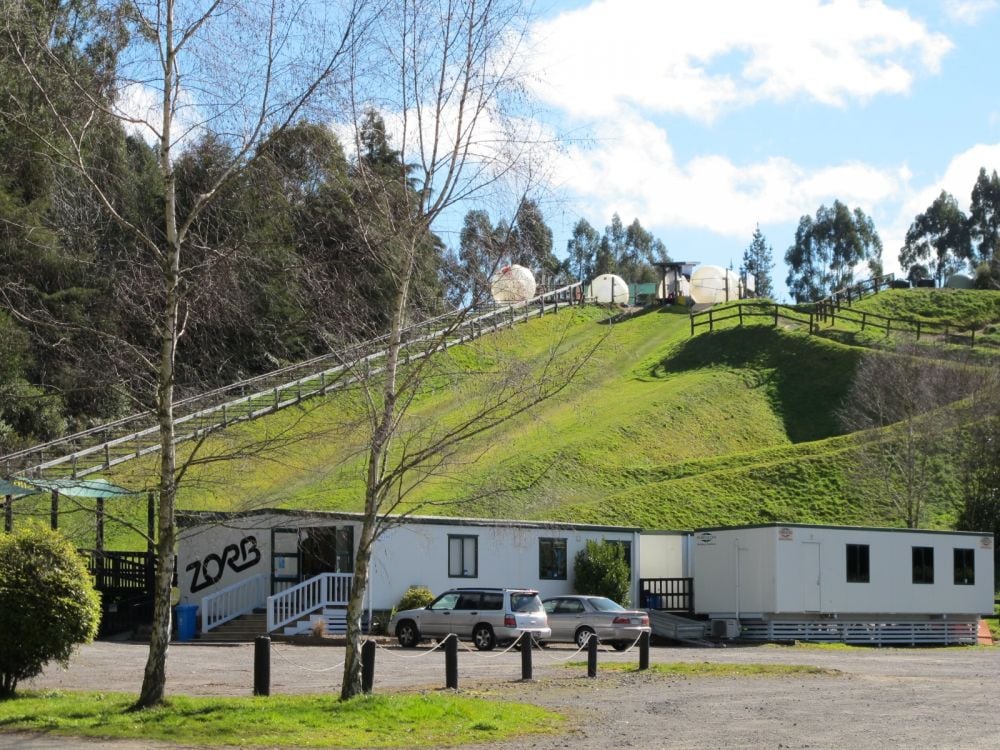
{"points": [[938, 239], [758, 262]]}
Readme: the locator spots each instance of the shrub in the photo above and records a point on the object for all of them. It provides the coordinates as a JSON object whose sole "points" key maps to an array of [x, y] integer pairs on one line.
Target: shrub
{"points": [[48, 604], [601, 569], [415, 596]]}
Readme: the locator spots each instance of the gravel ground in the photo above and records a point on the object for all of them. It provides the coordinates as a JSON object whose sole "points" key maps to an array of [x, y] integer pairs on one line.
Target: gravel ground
{"points": [[879, 698]]}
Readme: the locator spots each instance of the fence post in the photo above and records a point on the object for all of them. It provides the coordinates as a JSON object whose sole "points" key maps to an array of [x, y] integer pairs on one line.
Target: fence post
{"points": [[810, 324], [592, 655], [918, 330], [367, 666], [739, 306], [711, 320], [692, 324], [972, 338], [262, 665], [451, 662], [527, 642], [644, 651], [776, 315]]}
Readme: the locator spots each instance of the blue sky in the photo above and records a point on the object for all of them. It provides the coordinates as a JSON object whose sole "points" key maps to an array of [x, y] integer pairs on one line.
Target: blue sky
{"points": [[703, 119]]}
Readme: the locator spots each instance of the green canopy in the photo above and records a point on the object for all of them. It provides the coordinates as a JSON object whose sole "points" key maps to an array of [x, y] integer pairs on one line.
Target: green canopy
{"points": [[9, 489], [78, 487]]}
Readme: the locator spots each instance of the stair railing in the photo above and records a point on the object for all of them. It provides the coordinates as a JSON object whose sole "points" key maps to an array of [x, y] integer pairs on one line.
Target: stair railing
{"points": [[229, 603], [294, 603]]}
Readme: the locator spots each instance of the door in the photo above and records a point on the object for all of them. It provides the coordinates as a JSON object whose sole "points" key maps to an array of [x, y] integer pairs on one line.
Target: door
{"points": [[564, 615], [285, 559], [811, 601], [436, 620]]}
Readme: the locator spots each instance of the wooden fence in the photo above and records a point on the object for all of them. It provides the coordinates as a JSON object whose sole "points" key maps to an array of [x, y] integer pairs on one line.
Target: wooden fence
{"points": [[750, 309]]}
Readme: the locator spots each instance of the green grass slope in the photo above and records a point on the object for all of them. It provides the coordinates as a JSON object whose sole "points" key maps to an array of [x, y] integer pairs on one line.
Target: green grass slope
{"points": [[660, 429]]}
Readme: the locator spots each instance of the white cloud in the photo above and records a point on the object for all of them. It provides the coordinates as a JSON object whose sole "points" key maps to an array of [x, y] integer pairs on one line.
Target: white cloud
{"points": [[633, 170], [968, 11], [699, 59]]}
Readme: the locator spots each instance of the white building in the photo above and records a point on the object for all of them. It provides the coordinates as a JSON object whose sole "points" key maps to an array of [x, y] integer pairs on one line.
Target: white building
{"points": [[791, 581], [230, 562]]}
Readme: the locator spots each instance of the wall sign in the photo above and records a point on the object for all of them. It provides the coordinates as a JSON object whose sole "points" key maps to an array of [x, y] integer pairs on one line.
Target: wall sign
{"points": [[705, 537], [785, 534], [211, 568]]}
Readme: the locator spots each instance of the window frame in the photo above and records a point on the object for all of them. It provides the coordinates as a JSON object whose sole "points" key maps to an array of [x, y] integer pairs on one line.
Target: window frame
{"points": [[858, 570], [967, 566], [923, 568], [462, 539], [555, 541]]}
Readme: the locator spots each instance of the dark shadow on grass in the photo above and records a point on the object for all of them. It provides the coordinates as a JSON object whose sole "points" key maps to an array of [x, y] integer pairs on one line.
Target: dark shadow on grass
{"points": [[805, 378]]}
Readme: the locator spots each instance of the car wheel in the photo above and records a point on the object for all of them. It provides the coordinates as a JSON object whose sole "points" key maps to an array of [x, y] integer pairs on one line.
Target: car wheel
{"points": [[483, 638], [407, 634], [620, 646], [582, 636]]}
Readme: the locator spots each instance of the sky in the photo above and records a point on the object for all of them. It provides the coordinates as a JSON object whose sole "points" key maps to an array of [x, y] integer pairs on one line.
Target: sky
{"points": [[705, 119]]}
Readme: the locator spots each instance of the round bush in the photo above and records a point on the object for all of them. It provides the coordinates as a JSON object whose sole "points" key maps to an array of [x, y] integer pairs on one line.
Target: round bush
{"points": [[414, 598], [600, 569], [48, 604]]}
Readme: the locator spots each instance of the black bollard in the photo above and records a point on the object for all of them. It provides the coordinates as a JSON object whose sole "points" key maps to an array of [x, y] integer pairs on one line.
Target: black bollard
{"points": [[644, 651], [526, 643], [262, 665], [592, 655], [451, 662], [367, 666]]}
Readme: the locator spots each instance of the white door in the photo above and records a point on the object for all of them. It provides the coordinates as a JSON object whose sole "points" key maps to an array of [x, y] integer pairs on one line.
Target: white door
{"points": [[811, 577]]}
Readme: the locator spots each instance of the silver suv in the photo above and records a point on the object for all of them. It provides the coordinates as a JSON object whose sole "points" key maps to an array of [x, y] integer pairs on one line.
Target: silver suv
{"points": [[486, 616]]}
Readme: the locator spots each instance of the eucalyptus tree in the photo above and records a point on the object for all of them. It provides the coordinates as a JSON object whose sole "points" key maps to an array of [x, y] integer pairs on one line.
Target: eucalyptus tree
{"points": [[173, 72], [938, 239], [758, 260]]}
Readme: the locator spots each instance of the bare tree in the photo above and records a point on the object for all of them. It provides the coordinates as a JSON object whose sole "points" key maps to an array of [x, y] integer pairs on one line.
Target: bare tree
{"points": [[447, 95], [176, 71], [898, 405]]}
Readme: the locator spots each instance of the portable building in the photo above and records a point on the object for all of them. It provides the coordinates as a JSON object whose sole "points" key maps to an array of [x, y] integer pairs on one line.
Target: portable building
{"points": [[297, 562], [791, 581]]}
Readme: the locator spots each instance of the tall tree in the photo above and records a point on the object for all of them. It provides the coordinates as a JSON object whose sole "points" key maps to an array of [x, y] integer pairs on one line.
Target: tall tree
{"points": [[531, 240], [984, 216], [582, 249], [827, 250], [939, 237], [758, 260], [236, 72]]}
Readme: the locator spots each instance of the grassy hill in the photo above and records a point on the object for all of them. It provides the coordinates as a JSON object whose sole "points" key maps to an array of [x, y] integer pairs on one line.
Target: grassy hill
{"points": [[660, 429]]}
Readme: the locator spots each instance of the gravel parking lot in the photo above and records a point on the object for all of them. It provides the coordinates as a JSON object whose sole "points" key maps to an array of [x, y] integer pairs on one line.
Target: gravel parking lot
{"points": [[879, 698]]}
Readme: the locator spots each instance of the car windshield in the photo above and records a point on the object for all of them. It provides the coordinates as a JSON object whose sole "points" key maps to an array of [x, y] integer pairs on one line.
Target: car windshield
{"points": [[605, 605], [525, 603]]}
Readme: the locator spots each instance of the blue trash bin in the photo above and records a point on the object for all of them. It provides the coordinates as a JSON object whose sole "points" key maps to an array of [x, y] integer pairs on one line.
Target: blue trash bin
{"points": [[187, 621]]}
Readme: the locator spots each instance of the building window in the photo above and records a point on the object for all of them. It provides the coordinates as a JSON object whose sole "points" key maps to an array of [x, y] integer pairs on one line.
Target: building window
{"points": [[965, 567], [552, 559], [857, 563], [923, 565], [463, 556]]}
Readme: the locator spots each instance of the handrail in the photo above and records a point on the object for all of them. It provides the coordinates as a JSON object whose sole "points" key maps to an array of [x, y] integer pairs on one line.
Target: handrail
{"points": [[324, 590], [114, 443], [232, 601], [750, 308]]}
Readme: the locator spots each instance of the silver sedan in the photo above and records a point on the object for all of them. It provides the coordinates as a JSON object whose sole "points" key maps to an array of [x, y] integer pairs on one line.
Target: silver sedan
{"points": [[574, 619]]}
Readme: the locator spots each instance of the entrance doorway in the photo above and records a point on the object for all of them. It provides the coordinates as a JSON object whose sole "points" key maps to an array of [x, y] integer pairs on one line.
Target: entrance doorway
{"points": [[326, 549]]}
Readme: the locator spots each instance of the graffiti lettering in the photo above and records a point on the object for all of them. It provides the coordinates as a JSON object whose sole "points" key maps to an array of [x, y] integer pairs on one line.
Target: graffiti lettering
{"points": [[210, 569]]}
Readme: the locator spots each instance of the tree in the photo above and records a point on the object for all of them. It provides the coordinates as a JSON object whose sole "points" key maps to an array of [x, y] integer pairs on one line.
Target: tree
{"points": [[758, 262], [234, 75], [600, 569], [939, 237], [48, 604], [448, 84], [827, 250], [984, 216], [531, 240], [582, 249], [895, 404]]}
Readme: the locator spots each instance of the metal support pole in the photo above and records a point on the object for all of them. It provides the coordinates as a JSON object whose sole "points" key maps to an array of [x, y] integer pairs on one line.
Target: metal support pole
{"points": [[262, 665], [451, 662], [592, 655], [8, 514], [644, 651], [54, 512], [367, 666], [99, 530], [527, 642]]}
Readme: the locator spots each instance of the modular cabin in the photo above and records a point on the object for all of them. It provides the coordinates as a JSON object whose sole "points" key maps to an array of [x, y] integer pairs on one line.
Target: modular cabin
{"points": [[297, 564], [834, 583]]}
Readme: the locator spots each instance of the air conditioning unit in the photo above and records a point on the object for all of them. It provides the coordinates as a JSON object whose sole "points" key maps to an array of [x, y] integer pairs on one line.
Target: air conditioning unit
{"points": [[725, 628]]}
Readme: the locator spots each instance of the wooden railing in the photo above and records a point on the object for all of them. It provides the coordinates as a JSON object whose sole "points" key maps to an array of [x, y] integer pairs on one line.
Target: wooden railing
{"points": [[750, 309], [118, 573], [850, 294], [951, 333], [667, 594], [107, 445]]}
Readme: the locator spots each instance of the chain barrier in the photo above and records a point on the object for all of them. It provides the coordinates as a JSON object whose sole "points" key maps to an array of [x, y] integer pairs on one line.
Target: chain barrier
{"points": [[394, 655], [299, 666]]}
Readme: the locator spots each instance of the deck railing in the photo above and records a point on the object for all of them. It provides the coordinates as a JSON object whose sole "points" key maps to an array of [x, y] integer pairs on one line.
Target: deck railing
{"points": [[324, 590]]}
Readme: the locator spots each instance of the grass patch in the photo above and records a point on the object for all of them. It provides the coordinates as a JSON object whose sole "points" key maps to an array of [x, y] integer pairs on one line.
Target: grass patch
{"points": [[432, 720], [714, 669]]}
